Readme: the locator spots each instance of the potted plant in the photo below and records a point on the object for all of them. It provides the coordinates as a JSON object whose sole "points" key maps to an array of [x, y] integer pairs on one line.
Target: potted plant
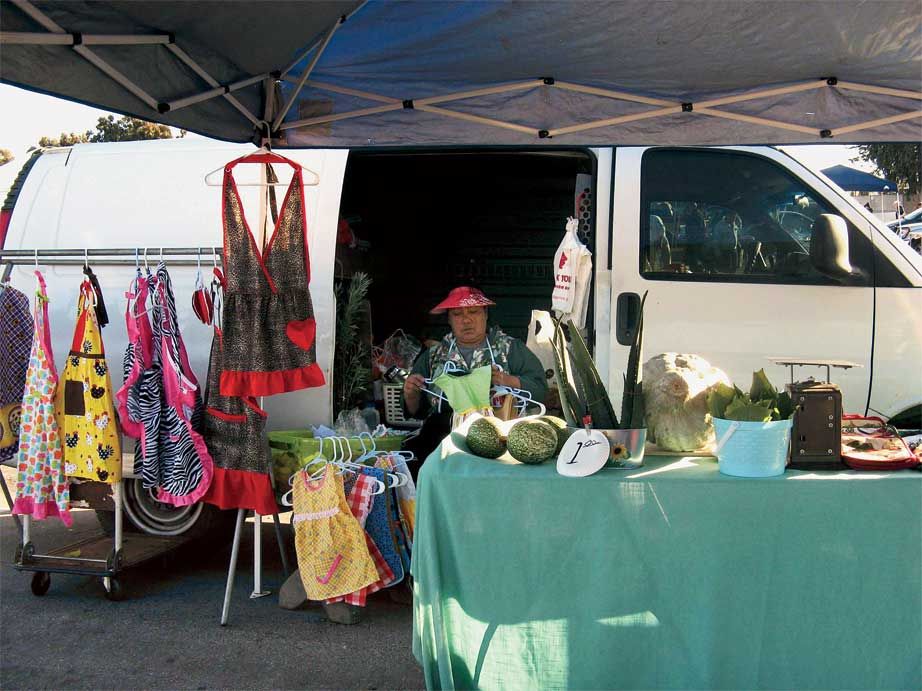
{"points": [[753, 430], [585, 402]]}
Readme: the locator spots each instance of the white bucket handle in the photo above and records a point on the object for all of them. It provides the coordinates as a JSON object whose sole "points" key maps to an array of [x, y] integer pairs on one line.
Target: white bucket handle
{"points": [[735, 425]]}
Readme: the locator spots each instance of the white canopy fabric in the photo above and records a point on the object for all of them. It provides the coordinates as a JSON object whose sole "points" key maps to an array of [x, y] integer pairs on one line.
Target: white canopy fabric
{"points": [[387, 73]]}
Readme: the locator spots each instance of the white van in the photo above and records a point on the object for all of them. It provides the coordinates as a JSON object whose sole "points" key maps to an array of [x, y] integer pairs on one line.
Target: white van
{"points": [[720, 237]]}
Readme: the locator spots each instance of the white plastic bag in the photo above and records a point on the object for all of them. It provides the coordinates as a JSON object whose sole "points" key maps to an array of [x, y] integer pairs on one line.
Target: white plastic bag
{"points": [[540, 342], [572, 276]]}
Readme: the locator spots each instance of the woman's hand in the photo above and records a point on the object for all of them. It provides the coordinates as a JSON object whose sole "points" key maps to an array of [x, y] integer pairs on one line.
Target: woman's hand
{"points": [[500, 378], [412, 390]]}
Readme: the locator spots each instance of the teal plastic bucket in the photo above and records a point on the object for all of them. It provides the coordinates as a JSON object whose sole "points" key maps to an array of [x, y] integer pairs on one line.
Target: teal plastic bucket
{"points": [[752, 449]]}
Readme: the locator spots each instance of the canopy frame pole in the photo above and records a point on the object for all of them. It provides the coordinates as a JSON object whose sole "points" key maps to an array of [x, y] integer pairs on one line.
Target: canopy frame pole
{"points": [[477, 119], [608, 93], [323, 119], [88, 55], [621, 119], [305, 53], [184, 58], [882, 90], [57, 39], [727, 115], [490, 90], [218, 90], [323, 86], [424, 104], [765, 93], [307, 73], [875, 123]]}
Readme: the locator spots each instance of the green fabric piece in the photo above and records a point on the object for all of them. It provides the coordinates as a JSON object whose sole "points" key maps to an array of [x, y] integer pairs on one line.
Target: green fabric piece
{"points": [[667, 576], [520, 362], [468, 392]]}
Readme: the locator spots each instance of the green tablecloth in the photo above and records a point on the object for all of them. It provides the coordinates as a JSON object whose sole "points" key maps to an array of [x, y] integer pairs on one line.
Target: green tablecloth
{"points": [[669, 576]]}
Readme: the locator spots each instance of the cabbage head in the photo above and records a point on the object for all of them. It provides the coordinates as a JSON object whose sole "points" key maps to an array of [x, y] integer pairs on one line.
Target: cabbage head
{"points": [[675, 387]]}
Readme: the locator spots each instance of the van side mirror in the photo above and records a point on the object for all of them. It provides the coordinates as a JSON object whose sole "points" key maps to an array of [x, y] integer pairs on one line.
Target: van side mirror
{"points": [[829, 247]]}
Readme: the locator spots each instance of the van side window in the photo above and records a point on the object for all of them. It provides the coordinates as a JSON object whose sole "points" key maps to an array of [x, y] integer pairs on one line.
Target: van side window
{"points": [[731, 217]]}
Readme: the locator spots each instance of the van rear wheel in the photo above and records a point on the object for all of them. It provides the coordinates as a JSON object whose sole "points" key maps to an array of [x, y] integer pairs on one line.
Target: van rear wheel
{"points": [[145, 514]]}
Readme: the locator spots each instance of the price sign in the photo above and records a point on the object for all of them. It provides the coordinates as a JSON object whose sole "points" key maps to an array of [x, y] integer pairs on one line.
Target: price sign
{"points": [[585, 453]]}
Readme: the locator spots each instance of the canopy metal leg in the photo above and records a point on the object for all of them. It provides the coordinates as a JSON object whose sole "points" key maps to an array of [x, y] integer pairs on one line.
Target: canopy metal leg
{"points": [[258, 558], [277, 525], [232, 567]]}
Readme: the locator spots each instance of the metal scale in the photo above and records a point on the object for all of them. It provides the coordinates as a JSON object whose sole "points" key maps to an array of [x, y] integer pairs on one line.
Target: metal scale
{"points": [[816, 437]]}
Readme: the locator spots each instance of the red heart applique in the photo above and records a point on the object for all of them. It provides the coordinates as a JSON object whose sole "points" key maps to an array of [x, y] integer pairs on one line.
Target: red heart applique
{"points": [[302, 333]]}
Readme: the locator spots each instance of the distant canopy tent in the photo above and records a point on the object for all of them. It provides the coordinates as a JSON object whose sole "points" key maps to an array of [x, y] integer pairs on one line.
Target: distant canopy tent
{"points": [[385, 73], [854, 180]]}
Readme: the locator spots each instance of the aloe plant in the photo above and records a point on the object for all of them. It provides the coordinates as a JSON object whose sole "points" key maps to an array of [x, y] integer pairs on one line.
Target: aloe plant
{"points": [[569, 400], [597, 402], [582, 393]]}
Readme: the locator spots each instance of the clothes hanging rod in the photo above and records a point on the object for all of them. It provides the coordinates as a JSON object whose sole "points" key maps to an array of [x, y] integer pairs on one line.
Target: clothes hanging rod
{"points": [[111, 256], [152, 252], [73, 261]]}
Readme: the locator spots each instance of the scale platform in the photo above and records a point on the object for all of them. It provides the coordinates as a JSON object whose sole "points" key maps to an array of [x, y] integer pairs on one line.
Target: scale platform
{"points": [[793, 362]]}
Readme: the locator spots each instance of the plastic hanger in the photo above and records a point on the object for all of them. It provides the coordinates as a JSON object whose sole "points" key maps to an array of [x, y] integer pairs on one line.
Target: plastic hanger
{"points": [[366, 454], [523, 398]]}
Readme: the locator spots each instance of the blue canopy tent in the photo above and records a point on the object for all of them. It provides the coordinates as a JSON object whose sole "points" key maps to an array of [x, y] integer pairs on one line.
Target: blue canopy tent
{"points": [[854, 180], [348, 73]]}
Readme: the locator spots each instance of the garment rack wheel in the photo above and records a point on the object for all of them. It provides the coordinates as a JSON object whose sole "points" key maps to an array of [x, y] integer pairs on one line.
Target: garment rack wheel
{"points": [[114, 590], [41, 582]]}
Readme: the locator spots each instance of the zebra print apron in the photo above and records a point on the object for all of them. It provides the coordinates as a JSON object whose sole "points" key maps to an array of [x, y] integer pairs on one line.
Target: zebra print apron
{"points": [[162, 404]]}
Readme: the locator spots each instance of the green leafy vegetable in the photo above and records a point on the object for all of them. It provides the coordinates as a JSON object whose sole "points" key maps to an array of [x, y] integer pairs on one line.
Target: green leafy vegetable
{"points": [[719, 398], [763, 403], [740, 409], [762, 389]]}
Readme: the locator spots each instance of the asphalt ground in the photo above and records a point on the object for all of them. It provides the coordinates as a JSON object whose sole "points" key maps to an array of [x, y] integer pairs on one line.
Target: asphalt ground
{"points": [[166, 633]]}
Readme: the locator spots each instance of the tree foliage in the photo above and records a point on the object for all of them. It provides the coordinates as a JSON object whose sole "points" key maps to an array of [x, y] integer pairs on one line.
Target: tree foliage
{"points": [[5, 156], [108, 129], [901, 163]]}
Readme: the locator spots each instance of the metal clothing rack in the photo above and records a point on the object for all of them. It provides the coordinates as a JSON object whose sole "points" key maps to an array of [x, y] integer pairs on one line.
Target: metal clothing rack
{"points": [[110, 256], [88, 557], [107, 568]]}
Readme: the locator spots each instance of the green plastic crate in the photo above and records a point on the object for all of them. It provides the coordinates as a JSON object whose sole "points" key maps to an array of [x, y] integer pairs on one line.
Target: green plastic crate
{"points": [[292, 448]]}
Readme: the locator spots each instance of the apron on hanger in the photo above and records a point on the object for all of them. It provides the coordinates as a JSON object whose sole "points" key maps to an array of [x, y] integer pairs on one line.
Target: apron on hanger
{"points": [[269, 328], [160, 401], [16, 330], [332, 557], [84, 402], [41, 487]]}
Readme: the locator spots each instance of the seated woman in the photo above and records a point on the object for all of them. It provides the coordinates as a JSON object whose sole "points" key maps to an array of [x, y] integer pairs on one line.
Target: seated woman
{"points": [[469, 345]]}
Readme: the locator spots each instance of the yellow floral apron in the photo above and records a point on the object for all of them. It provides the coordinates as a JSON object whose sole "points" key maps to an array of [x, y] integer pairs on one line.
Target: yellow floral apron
{"points": [[89, 428], [333, 558]]}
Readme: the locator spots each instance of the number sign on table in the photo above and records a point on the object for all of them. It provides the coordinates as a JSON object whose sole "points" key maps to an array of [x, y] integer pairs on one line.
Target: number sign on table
{"points": [[585, 453]]}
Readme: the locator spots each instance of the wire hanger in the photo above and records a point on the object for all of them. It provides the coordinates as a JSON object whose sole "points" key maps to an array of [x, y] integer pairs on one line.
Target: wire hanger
{"points": [[263, 154]]}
